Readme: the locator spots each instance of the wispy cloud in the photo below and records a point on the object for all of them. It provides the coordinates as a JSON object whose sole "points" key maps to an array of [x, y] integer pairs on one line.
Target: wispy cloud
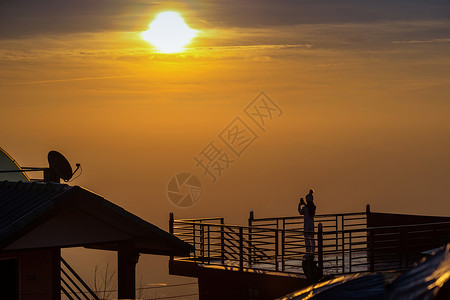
{"points": [[67, 54], [256, 47], [66, 80], [441, 40]]}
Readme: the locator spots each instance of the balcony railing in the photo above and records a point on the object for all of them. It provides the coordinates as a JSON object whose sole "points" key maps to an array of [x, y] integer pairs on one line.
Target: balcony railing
{"points": [[72, 286], [343, 243]]}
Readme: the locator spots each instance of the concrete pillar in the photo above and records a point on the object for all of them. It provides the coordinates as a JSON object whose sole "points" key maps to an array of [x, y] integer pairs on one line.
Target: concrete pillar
{"points": [[56, 273], [127, 258]]}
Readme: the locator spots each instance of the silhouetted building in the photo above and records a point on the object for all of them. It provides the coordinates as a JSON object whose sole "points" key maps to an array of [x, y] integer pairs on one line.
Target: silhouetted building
{"points": [[38, 219], [266, 259]]}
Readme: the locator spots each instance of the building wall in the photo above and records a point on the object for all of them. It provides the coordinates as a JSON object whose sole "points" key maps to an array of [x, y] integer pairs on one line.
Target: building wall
{"points": [[224, 284], [403, 245], [83, 228], [39, 273], [386, 219]]}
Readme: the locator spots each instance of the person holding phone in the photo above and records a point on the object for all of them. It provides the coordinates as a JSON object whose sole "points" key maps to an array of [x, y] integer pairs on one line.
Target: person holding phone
{"points": [[308, 210]]}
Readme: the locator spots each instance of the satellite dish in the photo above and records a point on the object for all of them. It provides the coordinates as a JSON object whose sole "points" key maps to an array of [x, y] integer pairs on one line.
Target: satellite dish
{"points": [[59, 168], [7, 163], [59, 165]]}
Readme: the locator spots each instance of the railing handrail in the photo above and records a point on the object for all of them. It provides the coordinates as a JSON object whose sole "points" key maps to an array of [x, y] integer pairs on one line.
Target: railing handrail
{"points": [[385, 227], [217, 224], [277, 218], [80, 280], [237, 226], [201, 219], [300, 217]]}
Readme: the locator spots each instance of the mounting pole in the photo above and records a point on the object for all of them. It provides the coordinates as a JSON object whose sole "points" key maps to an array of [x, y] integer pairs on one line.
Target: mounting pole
{"points": [[49, 175], [171, 221], [250, 237], [127, 258]]}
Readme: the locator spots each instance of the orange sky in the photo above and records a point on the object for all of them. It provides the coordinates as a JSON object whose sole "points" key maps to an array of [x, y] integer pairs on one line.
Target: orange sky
{"points": [[365, 109]]}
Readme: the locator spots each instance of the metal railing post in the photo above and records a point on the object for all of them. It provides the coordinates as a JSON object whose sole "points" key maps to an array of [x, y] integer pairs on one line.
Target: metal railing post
{"points": [[241, 248], [320, 248], [209, 242], [349, 251], [371, 251], [343, 250], [194, 237], [337, 234], [250, 237], [202, 241], [277, 251], [171, 221], [343, 243], [282, 244], [282, 249], [222, 240], [337, 238]]}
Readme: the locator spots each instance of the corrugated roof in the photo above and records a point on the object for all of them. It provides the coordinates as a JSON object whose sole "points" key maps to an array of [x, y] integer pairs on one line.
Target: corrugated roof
{"points": [[20, 202], [25, 205]]}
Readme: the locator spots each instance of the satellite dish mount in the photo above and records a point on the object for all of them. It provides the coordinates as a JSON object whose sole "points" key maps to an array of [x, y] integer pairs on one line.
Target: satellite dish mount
{"points": [[58, 168]]}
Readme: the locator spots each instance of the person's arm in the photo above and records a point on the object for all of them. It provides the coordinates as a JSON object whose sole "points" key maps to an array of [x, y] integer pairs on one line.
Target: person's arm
{"points": [[301, 208]]}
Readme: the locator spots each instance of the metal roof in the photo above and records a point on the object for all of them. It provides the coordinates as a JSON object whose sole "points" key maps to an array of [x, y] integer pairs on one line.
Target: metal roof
{"points": [[26, 205]]}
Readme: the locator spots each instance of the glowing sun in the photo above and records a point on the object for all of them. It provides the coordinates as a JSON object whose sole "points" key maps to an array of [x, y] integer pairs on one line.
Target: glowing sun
{"points": [[169, 33]]}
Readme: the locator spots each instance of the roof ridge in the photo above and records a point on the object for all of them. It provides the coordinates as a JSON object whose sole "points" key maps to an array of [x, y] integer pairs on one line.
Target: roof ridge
{"points": [[34, 185]]}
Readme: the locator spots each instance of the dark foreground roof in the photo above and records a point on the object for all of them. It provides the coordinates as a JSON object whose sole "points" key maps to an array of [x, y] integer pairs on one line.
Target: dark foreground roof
{"points": [[25, 206], [428, 279]]}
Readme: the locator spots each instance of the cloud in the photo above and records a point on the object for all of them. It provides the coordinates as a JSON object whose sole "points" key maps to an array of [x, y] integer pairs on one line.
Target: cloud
{"points": [[65, 80], [442, 40], [254, 43], [24, 18], [84, 56], [253, 47]]}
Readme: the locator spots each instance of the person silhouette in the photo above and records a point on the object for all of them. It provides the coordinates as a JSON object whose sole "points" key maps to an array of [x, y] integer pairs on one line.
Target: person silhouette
{"points": [[309, 197], [308, 210]]}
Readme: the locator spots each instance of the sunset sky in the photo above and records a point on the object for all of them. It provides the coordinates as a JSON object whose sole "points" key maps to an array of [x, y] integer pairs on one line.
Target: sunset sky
{"points": [[364, 89]]}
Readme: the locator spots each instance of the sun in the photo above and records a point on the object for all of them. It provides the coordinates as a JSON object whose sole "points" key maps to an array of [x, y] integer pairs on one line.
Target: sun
{"points": [[169, 33]]}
